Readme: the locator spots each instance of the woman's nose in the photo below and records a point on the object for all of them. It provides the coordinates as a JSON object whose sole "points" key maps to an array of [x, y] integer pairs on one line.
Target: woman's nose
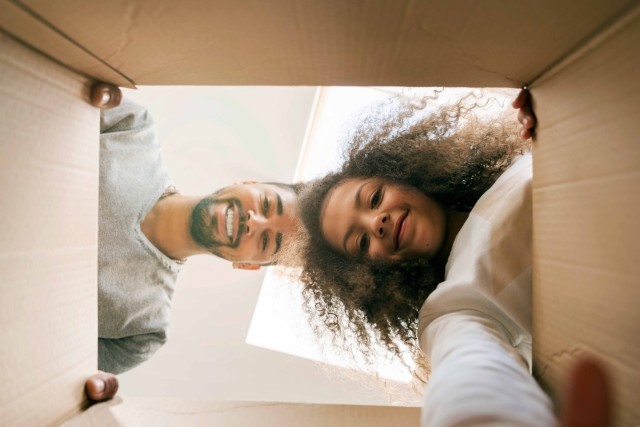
{"points": [[380, 224]]}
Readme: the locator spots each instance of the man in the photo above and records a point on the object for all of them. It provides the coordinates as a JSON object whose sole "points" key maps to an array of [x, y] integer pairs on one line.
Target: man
{"points": [[147, 229]]}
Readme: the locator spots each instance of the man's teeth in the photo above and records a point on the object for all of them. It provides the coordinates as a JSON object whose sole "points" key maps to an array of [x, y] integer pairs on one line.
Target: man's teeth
{"points": [[229, 224]]}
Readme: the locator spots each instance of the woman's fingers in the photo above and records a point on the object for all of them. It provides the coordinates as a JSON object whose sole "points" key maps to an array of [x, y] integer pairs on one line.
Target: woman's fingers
{"points": [[588, 401], [521, 99], [525, 114]]}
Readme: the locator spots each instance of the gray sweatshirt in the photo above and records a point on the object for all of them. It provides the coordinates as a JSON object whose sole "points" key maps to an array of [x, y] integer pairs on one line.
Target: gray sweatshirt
{"points": [[135, 280]]}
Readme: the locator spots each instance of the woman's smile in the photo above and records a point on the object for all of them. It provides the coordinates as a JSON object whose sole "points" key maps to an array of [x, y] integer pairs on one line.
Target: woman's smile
{"points": [[375, 219], [399, 230]]}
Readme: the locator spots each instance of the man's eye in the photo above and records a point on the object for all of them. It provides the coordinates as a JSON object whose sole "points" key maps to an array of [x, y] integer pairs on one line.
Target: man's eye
{"points": [[363, 246], [376, 198], [265, 205], [265, 242]]}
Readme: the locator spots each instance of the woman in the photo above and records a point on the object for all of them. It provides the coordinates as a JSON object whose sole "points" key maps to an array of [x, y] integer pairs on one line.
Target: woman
{"points": [[381, 228]]}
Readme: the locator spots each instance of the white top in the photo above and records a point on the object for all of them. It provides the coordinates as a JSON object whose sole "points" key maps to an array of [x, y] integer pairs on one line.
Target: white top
{"points": [[476, 326]]}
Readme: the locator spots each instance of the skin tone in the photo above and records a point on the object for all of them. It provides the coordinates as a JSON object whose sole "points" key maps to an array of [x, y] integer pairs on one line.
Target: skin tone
{"points": [[248, 223], [374, 219], [101, 386], [526, 117], [266, 216]]}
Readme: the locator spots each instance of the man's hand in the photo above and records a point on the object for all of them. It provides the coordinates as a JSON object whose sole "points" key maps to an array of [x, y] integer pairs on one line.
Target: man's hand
{"points": [[525, 114], [101, 386], [105, 95]]}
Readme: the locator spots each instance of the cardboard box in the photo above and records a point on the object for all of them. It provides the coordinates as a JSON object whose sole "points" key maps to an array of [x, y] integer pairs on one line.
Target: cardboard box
{"points": [[49, 234], [174, 413], [581, 59], [489, 43], [586, 207]]}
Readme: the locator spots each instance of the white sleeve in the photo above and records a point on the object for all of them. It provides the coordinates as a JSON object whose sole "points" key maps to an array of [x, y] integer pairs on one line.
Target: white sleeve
{"points": [[477, 378]]}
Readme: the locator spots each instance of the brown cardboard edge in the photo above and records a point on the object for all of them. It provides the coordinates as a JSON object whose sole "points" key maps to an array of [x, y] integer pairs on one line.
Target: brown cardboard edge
{"points": [[594, 40], [21, 23], [46, 106], [554, 359], [178, 412]]}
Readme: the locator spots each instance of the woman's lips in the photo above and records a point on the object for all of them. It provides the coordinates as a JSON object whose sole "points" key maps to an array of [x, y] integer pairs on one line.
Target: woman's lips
{"points": [[398, 232]]}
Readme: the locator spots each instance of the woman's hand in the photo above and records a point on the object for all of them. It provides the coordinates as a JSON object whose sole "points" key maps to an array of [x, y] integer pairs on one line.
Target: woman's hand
{"points": [[525, 114], [588, 398]]}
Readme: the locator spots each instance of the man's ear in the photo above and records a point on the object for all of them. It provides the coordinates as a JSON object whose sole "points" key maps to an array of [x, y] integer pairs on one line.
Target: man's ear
{"points": [[245, 266]]}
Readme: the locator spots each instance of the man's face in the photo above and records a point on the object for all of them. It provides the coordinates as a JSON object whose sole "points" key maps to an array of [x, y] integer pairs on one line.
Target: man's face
{"points": [[245, 223]]}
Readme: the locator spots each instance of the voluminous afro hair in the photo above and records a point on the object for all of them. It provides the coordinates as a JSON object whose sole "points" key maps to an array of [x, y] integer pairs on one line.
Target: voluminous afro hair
{"points": [[449, 154]]}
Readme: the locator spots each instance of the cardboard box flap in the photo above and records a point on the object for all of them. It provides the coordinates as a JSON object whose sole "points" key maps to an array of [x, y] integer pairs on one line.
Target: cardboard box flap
{"points": [[289, 42], [586, 239], [48, 260], [160, 412], [25, 25]]}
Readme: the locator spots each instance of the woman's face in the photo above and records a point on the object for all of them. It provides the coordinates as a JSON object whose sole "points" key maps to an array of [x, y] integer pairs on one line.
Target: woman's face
{"points": [[371, 218]]}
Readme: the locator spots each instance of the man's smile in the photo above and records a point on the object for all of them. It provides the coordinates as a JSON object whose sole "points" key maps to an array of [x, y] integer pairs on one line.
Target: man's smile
{"points": [[230, 214], [233, 222]]}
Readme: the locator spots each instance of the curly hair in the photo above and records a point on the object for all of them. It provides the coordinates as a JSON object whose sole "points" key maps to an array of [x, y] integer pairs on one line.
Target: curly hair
{"points": [[450, 155]]}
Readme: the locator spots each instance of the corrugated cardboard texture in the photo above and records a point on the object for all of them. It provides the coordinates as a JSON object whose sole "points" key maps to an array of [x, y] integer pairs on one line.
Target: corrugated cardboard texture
{"points": [[586, 159], [333, 42], [586, 216], [48, 294], [176, 413], [18, 20]]}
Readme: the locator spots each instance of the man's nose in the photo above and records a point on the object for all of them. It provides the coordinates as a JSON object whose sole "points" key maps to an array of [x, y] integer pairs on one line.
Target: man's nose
{"points": [[254, 223], [379, 224]]}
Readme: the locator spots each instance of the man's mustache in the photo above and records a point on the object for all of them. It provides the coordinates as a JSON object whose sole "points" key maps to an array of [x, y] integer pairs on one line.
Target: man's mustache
{"points": [[203, 223]]}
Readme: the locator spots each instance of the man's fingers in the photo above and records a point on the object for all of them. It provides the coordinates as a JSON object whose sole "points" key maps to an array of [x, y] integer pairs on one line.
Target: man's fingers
{"points": [[105, 96], [102, 386]]}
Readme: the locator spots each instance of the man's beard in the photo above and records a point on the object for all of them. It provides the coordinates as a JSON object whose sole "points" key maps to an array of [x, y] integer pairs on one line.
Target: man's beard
{"points": [[203, 224]]}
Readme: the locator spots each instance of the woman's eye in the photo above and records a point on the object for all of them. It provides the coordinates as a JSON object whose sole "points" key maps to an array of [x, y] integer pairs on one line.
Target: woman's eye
{"points": [[376, 198], [265, 206], [363, 246]]}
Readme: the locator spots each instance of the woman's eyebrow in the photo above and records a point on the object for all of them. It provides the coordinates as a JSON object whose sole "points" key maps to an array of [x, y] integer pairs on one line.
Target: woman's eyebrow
{"points": [[357, 201], [357, 204], [346, 239]]}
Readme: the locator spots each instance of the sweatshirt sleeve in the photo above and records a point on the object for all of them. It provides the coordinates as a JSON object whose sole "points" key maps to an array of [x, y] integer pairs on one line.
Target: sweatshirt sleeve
{"points": [[126, 117], [118, 355], [478, 378]]}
